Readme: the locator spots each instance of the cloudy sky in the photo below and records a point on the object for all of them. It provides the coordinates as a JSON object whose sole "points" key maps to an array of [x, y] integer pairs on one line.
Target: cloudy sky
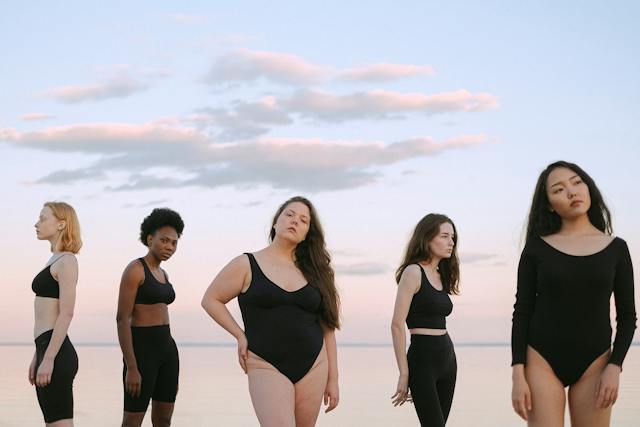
{"points": [[378, 113]]}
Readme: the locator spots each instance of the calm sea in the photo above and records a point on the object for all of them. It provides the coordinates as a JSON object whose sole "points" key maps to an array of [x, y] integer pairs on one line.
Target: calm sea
{"points": [[213, 389]]}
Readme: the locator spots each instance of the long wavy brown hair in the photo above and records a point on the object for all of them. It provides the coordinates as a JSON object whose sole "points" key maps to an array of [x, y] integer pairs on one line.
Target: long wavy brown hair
{"points": [[418, 251], [313, 260]]}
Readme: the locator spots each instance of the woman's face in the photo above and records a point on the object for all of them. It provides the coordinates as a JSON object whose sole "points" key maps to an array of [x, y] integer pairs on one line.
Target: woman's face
{"points": [[568, 194], [48, 226], [163, 243], [441, 246], [293, 222]]}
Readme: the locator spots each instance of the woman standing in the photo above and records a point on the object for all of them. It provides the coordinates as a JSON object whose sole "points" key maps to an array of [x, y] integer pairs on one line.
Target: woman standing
{"points": [[55, 362], [290, 309], [427, 276], [561, 334], [149, 352]]}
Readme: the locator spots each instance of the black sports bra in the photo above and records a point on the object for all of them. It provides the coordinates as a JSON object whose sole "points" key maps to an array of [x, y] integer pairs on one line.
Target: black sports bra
{"points": [[44, 284], [429, 306], [153, 291]]}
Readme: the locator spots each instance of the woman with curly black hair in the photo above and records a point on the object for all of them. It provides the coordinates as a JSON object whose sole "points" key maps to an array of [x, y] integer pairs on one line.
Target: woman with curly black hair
{"points": [[149, 352]]}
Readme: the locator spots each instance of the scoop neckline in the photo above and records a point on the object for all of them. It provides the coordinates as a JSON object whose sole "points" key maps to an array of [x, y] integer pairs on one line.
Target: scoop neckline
{"points": [[579, 256]]}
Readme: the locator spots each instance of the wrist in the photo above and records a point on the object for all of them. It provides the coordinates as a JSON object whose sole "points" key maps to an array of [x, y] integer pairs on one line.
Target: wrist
{"points": [[616, 368], [48, 358]]}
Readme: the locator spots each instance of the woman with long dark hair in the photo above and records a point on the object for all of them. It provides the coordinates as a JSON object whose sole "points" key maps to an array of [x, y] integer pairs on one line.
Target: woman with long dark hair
{"points": [[428, 274], [149, 353], [55, 361], [561, 336], [290, 308]]}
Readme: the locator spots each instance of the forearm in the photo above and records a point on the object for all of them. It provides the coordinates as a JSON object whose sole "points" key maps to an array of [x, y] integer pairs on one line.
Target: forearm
{"points": [[399, 336], [219, 312], [332, 352], [126, 343], [60, 329]]}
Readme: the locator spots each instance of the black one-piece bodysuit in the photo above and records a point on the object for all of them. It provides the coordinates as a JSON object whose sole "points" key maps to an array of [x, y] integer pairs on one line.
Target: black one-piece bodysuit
{"points": [[562, 306]]}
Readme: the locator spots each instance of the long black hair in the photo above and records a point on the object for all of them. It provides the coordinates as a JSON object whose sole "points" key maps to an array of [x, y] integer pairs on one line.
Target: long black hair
{"points": [[543, 221]]}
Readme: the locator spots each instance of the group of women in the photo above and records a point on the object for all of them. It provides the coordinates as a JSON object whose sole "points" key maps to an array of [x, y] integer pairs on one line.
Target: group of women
{"points": [[561, 336]]}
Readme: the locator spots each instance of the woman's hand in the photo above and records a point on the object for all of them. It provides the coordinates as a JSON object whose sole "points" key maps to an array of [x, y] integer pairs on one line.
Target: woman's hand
{"points": [[43, 375], [402, 391], [331, 395], [521, 395], [243, 349], [607, 387], [133, 382], [32, 370]]}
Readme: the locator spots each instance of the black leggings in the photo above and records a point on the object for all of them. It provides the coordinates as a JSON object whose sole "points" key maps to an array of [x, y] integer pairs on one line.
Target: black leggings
{"points": [[432, 377], [56, 398], [157, 359]]}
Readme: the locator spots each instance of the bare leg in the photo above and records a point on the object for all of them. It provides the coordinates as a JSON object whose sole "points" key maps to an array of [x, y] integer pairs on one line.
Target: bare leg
{"points": [[161, 413], [272, 394], [310, 390], [61, 423], [582, 397], [547, 392], [132, 419]]}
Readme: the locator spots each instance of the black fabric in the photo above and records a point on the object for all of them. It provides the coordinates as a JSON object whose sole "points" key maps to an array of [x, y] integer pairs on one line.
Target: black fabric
{"points": [[157, 358], [152, 291], [562, 306], [432, 377], [56, 399], [44, 285], [282, 327], [429, 306]]}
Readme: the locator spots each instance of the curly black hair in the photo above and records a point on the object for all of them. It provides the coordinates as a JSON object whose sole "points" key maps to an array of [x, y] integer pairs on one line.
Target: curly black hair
{"points": [[158, 218]]}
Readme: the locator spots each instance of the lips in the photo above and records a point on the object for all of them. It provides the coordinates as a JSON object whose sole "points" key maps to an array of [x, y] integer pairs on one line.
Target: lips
{"points": [[576, 203], [293, 230]]}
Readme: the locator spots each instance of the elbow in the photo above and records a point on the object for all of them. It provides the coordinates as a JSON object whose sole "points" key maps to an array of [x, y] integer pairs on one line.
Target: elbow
{"points": [[397, 328]]}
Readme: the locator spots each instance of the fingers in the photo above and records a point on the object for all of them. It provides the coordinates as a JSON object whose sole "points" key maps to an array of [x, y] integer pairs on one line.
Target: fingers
{"points": [[134, 388], [520, 408], [326, 399], [43, 379], [399, 397], [242, 358], [333, 402], [527, 401]]}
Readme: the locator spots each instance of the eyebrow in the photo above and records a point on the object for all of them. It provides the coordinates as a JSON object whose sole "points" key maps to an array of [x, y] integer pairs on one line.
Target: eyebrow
{"points": [[560, 182], [301, 215]]}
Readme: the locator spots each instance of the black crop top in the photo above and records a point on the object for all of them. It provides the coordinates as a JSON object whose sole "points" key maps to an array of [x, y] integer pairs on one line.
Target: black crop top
{"points": [[152, 291], [429, 306], [44, 285], [565, 299]]}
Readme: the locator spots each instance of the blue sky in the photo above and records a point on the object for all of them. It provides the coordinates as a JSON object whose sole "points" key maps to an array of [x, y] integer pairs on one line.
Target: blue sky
{"points": [[379, 113]]}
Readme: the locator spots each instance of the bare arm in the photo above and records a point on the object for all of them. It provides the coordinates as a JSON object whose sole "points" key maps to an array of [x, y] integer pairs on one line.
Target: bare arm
{"points": [[228, 284], [132, 277], [408, 286], [66, 270], [332, 393]]}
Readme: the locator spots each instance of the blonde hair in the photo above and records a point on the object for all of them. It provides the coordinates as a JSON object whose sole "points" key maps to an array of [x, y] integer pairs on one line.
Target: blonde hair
{"points": [[70, 240]]}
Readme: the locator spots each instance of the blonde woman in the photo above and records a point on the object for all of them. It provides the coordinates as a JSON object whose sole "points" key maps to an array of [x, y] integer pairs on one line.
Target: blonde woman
{"points": [[55, 362]]}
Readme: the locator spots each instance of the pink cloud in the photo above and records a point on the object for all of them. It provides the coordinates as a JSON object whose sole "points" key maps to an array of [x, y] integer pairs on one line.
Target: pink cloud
{"points": [[385, 72]]}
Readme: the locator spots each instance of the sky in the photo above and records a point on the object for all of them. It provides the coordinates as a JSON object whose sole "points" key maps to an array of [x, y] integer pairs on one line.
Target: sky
{"points": [[379, 113]]}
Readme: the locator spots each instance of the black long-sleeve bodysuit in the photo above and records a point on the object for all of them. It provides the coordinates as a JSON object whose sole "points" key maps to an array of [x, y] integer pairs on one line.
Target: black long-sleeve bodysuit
{"points": [[562, 306]]}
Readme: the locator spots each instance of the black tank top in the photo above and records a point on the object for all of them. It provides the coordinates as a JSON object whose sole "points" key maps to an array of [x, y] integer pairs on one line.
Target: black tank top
{"points": [[282, 327], [152, 291], [429, 306]]}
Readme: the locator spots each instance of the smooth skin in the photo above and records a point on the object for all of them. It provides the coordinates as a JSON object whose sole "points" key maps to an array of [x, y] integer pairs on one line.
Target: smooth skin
{"points": [[440, 247], [277, 263], [52, 313], [162, 245], [537, 395]]}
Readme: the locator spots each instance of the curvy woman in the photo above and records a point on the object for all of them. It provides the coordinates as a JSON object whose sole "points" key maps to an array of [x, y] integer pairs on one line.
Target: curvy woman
{"points": [[429, 273], [55, 362], [149, 352], [290, 309], [561, 336]]}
